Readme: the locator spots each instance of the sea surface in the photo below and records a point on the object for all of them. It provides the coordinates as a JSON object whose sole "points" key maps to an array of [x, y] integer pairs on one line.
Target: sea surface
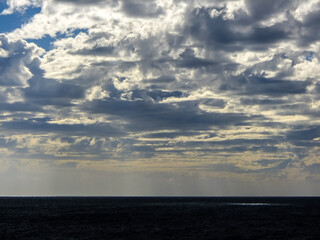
{"points": [[159, 218]]}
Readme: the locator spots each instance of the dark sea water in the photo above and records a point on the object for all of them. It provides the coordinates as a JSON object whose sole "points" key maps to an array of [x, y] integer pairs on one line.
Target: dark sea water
{"points": [[159, 218]]}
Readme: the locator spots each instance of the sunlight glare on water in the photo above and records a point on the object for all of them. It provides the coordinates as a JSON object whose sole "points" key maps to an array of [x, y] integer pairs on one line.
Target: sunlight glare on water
{"points": [[253, 204]]}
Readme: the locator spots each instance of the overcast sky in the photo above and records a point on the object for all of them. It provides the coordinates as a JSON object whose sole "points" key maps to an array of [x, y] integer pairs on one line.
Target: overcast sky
{"points": [[159, 97]]}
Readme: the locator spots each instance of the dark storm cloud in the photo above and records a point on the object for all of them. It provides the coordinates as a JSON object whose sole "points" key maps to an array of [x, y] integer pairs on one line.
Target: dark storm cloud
{"points": [[309, 32], [122, 65], [19, 107], [157, 95], [141, 8], [304, 32], [254, 101], [215, 103], [225, 148], [163, 80], [304, 137], [87, 2], [220, 33], [205, 148], [148, 115], [96, 51], [188, 60], [260, 85], [268, 162], [171, 134], [233, 142], [132, 8], [266, 35], [261, 9], [39, 126], [222, 148], [57, 102], [5, 78], [317, 88], [210, 30], [51, 89]]}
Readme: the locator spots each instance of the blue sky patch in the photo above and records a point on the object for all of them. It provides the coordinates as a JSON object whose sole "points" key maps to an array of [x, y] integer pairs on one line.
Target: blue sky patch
{"points": [[46, 41], [309, 56], [10, 22]]}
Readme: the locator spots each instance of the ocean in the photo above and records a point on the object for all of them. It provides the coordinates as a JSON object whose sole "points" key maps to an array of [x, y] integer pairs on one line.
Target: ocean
{"points": [[160, 218]]}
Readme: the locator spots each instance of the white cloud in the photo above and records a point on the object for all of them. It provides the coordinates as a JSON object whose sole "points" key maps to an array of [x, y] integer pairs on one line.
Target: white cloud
{"points": [[20, 5], [96, 93], [17, 56], [307, 70], [305, 8]]}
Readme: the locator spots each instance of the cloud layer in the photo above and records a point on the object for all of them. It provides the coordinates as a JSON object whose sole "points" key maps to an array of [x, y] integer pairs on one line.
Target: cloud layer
{"points": [[221, 89]]}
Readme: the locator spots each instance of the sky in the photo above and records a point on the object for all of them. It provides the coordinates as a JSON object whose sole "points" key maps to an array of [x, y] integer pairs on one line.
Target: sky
{"points": [[159, 97]]}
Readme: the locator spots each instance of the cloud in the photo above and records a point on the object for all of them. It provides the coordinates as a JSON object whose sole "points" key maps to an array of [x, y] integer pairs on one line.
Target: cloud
{"points": [[96, 51], [19, 106], [20, 5], [233, 34], [84, 2], [304, 137], [50, 89], [15, 58], [188, 60], [140, 8], [259, 85], [148, 115], [261, 9], [36, 125]]}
